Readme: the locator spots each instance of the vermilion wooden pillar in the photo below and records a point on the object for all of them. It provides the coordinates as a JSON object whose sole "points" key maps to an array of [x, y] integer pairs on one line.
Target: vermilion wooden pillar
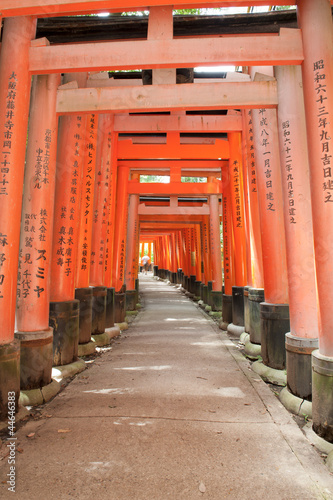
{"points": [[101, 201], [83, 292], [238, 220], [188, 259], [303, 336], [255, 263], [64, 309], [206, 252], [100, 223], [131, 252], [193, 260], [173, 274], [197, 240], [315, 20], [274, 312], [14, 107], [228, 249], [112, 213], [87, 204], [119, 244], [215, 245], [32, 316]]}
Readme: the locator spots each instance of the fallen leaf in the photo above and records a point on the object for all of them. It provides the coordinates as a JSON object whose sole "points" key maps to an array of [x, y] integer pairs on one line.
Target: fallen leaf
{"points": [[31, 435], [212, 411], [19, 450], [64, 430], [202, 487]]}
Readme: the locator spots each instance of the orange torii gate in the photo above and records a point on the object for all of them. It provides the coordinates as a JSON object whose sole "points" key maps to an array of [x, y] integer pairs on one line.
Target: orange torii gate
{"points": [[280, 168]]}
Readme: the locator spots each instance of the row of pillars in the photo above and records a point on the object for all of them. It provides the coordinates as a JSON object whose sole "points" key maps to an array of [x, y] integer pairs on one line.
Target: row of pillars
{"points": [[80, 229], [63, 244], [277, 225]]}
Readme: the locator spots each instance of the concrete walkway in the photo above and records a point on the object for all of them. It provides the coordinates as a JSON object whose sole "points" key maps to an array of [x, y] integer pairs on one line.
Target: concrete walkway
{"points": [[172, 411]]}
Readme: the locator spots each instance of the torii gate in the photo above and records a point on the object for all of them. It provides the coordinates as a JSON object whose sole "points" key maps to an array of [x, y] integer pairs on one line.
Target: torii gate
{"points": [[22, 56]]}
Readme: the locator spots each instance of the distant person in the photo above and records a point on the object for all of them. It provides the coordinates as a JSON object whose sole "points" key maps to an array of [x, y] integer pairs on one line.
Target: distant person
{"points": [[145, 263]]}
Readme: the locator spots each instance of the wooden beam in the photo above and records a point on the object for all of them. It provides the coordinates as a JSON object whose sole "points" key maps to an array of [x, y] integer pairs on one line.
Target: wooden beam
{"points": [[167, 164], [177, 123], [169, 97], [44, 8], [175, 53], [175, 188], [149, 210], [126, 149]]}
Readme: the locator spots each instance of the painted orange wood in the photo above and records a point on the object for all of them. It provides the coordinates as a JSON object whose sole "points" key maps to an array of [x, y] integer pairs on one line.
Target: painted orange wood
{"points": [[14, 108], [87, 204], [33, 287], [177, 123], [168, 97], [249, 50], [57, 7]]}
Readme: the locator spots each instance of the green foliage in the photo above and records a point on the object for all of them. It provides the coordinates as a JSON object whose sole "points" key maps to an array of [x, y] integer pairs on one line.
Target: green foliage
{"points": [[285, 7], [185, 12]]}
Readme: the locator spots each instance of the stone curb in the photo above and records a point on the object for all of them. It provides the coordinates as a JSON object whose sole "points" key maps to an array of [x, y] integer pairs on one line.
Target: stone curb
{"points": [[35, 397], [321, 444], [113, 332], [235, 329], [64, 371], [122, 326], [296, 405], [252, 351], [244, 337], [20, 415], [101, 339], [215, 314], [277, 377], [86, 349]]}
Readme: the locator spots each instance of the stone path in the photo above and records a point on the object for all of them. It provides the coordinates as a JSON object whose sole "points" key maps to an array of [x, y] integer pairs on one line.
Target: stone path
{"points": [[172, 411]]}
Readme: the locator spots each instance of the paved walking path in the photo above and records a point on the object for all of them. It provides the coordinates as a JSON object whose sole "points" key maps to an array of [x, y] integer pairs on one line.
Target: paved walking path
{"points": [[172, 411]]}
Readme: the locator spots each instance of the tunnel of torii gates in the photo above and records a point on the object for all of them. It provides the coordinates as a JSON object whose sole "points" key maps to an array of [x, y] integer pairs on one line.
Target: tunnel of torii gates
{"points": [[68, 269]]}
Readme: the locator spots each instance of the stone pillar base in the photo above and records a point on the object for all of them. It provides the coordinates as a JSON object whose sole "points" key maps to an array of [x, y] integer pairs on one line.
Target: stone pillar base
{"points": [[64, 319], [274, 326], [322, 395], [86, 349], [197, 289], [246, 309], [85, 296], [36, 358], [209, 293], [39, 396], [173, 278], [120, 307], [236, 330], [252, 351], [227, 308], [179, 276], [205, 294], [238, 305], [109, 314], [98, 310], [299, 366], [137, 285], [216, 299], [10, 377], [131, 300], [256, 295]]}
